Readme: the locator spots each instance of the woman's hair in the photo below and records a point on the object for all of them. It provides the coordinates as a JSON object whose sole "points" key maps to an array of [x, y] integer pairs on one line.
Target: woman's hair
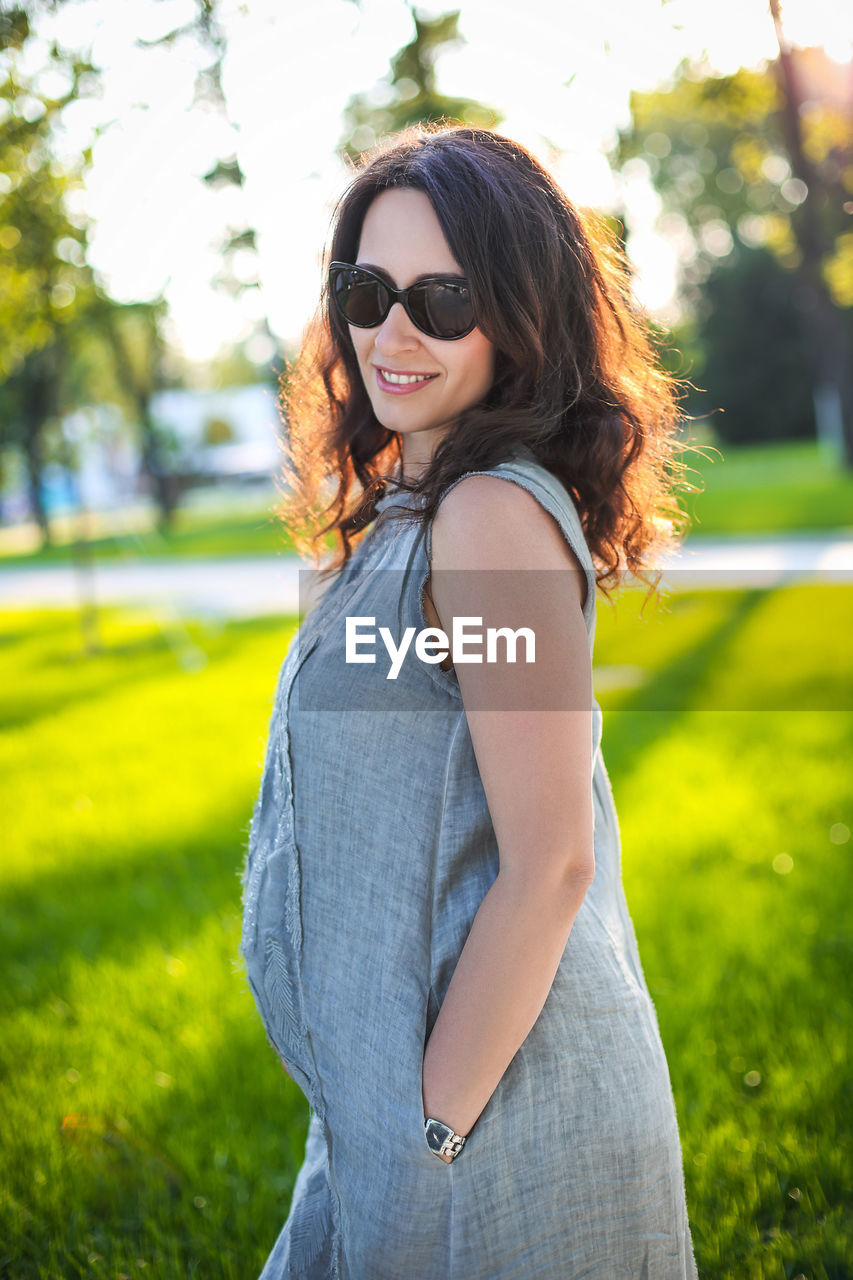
{"points": [[577, 380]]}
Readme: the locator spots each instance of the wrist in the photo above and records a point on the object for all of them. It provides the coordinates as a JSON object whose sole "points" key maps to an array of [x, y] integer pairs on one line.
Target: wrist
{"points": [[442, 1097]]}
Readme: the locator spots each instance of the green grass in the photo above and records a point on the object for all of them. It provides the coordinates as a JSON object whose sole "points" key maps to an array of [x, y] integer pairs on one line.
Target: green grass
{"points": [[780, 488], [783, 488], [147, 1127], [253, 530]]}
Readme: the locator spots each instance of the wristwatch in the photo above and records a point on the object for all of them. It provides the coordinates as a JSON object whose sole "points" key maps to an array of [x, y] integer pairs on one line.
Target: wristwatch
{"points": [[442, 1141]]}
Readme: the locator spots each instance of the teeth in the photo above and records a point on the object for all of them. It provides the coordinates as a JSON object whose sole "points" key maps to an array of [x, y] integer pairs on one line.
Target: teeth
{"points": [[403, 379]]}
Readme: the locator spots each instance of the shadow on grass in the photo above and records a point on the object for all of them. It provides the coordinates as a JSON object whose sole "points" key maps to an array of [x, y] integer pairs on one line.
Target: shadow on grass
{"points": [[35, 627], [109, 910], [673, 690], [196, 1183], [62, 677]]}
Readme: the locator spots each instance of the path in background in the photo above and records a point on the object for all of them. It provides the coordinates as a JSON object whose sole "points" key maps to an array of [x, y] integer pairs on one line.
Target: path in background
{"points": [[235, 587]]}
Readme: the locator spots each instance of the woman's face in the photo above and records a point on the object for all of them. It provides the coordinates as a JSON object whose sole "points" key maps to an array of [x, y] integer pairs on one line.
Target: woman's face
{"points": [[402, 239]]}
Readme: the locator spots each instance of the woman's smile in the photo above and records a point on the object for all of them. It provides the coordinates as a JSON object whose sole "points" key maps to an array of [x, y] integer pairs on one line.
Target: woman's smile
{"points": [[398, 383]]}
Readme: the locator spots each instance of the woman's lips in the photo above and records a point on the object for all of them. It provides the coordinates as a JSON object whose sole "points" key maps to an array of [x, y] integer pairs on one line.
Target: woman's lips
{"points": [[404, 388]]}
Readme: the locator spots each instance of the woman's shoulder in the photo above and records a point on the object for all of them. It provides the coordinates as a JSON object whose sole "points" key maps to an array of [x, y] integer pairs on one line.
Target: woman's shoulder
{"points": [[478, 495], [531, 522]]}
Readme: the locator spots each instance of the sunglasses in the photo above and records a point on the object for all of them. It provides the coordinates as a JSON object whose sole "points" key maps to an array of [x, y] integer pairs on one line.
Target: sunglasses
{"points": [[440, 307]]}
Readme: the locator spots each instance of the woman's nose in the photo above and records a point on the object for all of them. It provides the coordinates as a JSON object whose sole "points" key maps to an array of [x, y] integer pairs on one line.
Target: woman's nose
{"points": [[396, 333]]}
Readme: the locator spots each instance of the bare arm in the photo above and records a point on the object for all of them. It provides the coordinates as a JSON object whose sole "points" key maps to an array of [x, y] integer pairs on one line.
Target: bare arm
{"points": [[536, 769]]}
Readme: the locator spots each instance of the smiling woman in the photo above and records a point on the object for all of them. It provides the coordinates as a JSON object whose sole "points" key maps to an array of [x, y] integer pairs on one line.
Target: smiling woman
{"points": [[434, 925]]}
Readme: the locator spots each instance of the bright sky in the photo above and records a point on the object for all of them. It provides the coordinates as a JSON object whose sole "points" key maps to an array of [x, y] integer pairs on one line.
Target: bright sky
{"points": [[290, 70]]}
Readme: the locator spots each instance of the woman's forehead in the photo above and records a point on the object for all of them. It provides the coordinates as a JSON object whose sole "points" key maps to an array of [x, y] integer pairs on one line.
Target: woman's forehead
{"points": [[402, 234]]}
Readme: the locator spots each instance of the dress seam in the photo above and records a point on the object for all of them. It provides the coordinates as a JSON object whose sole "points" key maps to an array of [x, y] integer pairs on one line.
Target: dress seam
{"points": [[461, 718]]}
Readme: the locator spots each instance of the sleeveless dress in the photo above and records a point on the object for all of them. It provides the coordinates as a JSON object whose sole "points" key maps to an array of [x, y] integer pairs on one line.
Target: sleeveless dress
{"points": [[370, 850]]}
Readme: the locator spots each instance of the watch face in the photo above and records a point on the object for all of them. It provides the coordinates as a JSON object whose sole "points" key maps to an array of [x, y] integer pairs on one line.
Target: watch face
{"points": [[437, 1134]]}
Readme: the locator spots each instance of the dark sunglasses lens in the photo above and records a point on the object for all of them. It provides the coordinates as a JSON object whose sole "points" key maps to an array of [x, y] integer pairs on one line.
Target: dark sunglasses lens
{"points": [[442, 308], [361, 299]]}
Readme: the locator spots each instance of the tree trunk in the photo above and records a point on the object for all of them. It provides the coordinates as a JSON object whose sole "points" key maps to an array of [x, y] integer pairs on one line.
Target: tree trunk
{"points": [[165, 486], [824, 324], [38, 399]]}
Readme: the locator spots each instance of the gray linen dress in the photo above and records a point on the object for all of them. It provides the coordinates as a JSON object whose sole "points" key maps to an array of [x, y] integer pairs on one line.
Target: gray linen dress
{"points": [[370, 849]]}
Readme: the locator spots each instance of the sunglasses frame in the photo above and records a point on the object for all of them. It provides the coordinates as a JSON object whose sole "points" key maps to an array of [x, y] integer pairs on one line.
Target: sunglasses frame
{"points": [[401, 296]]}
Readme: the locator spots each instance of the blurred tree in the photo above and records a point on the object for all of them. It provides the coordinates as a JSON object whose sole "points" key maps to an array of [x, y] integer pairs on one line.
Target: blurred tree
{"points": [[408, 94], [64, 341], [205, 32], [218, 431], [232, 366], [750, 330], [719, 153], [132, 334], [14, 27], [820, 149], [45, 282]]}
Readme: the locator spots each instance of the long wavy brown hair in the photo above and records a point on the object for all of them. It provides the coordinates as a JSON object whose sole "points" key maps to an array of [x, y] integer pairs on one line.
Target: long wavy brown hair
{"points": [[577, 377]]}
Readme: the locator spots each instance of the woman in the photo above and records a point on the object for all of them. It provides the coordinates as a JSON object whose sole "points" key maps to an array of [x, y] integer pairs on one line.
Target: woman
{"points": [[435, 930]]}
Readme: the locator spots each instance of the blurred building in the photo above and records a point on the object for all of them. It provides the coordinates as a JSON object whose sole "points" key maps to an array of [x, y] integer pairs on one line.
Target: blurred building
{"points": [[208, 438], [229, 434]]}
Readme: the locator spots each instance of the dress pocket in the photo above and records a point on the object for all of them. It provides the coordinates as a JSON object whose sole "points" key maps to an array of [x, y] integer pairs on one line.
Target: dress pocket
{"points": [[424, 1023], [427, 1017]]}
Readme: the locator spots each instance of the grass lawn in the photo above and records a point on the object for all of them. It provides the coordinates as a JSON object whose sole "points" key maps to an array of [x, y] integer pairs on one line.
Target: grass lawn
{"points": [[776, 488], [244, 530], [148, 1129], [779, 488]]}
